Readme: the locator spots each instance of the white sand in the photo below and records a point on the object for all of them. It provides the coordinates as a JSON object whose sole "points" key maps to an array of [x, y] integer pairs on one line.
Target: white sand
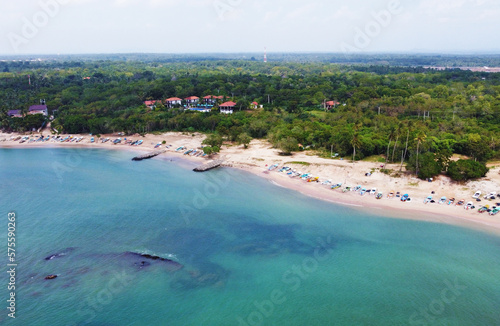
{"points": [[260, 153]]}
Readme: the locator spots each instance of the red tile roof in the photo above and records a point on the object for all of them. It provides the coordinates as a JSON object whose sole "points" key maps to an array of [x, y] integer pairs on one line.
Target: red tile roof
{"points": [[228, 104], [192, 98], [255, 103], [149, 103], [332, 103], [172, 99], [14, 112]]}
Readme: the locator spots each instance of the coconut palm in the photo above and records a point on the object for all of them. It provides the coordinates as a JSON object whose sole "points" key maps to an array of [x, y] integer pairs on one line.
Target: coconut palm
{"points": [[420, 139], [356, 143]]}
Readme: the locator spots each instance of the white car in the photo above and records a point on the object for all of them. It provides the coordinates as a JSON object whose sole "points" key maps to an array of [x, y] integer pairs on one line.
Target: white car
{"points": [[476, 195], [373, 191], [491, 195]]}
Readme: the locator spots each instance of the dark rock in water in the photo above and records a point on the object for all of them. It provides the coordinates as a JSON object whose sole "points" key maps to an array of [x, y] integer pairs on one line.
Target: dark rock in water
{"points": [[172, 265], [50, 277], [60, 254], [143, 264]]}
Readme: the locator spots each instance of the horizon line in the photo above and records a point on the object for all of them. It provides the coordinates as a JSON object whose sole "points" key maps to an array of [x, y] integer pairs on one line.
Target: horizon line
{"points": [[360, 53]]}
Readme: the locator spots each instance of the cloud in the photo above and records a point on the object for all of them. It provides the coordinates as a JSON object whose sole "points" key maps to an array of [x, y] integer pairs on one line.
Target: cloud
{"points": [[344, 12], [284, 25], [301, 11]]}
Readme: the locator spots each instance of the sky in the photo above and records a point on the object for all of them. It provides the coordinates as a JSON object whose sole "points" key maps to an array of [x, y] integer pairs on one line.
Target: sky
{"points": [[235, 26]]}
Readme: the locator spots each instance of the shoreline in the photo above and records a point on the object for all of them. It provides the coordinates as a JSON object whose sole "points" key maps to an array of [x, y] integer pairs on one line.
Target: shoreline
{"points": [[260, 155], [391, 208]]}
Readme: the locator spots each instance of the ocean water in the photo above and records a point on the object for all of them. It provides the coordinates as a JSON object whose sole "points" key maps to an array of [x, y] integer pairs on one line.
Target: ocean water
{"points": [[238, 251]]}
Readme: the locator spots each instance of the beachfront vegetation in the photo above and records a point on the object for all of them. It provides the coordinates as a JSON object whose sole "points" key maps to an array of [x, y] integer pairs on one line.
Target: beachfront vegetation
{"points": [[287, 145], [244, 139], [463, 170], [421, 116]]}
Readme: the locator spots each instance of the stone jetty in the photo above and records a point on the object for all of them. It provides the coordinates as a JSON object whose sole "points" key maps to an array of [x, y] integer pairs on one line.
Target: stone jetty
{"points": [[208, 166], [148, 155]]}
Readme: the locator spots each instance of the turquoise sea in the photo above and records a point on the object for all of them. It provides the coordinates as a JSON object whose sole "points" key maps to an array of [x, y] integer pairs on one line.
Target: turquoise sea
{"points": [[237, 251]]}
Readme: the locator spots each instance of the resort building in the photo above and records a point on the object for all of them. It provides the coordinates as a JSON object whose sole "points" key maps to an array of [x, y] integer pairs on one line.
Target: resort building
{"points": [[192, 100], [171, 102], [151, 104], [39, 109], [227, 108], [15, 113], [331, 104], [211, 99]]}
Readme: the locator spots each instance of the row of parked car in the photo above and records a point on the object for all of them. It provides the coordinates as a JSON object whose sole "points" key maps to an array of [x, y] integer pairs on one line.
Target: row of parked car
{"points": [[490, 196]]}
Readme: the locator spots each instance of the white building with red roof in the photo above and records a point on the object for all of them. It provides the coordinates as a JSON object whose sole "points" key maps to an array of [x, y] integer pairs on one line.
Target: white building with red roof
{"points": [[170, 102], [39, 109], [151, 104], [227, 107], [192, 100], [331, 104]]}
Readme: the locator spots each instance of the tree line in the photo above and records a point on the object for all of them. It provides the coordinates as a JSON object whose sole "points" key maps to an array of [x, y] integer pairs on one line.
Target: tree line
{"points": [[407, 114]]}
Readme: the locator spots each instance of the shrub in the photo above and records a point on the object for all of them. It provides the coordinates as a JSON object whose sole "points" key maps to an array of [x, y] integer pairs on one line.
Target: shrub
{"points": [[463, 170]]}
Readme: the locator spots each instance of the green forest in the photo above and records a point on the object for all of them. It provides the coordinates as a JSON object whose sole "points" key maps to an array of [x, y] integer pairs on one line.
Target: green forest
{"points": [[403, 111]]}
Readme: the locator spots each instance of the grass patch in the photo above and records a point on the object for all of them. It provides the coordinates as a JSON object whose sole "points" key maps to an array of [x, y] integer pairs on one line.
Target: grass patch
{"points": [[299, 163], [386, 171], [374, 158], [258, 159], [413, 184], [318, 114]]}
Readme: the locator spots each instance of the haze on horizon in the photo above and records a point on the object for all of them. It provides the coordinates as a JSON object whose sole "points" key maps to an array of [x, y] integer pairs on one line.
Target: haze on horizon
{"points": [[227, 26]]}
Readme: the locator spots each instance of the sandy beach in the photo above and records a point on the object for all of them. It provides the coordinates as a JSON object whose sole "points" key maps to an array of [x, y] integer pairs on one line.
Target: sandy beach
{"points": [[260, 155]]}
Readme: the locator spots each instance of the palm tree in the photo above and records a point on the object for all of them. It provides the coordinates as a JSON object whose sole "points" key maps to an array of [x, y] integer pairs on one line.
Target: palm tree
{"points": [[355, 142], [420, 138], [391, 136], [398, 133], [409, 126]]}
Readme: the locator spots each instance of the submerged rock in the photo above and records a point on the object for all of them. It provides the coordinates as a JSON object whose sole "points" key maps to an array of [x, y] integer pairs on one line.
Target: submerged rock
{"points": [[50, 277], [142, 264], [171, 264], [60, 254], [207, 274]]}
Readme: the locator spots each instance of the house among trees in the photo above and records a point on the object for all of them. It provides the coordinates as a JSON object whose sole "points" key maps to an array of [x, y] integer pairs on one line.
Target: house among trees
{"points": [[171, 102], [227, 108], [331, 104], [212, 99], [192, 100], [39, 109], [151, 104], [209, 99], [255, 105], [15, 113]]}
